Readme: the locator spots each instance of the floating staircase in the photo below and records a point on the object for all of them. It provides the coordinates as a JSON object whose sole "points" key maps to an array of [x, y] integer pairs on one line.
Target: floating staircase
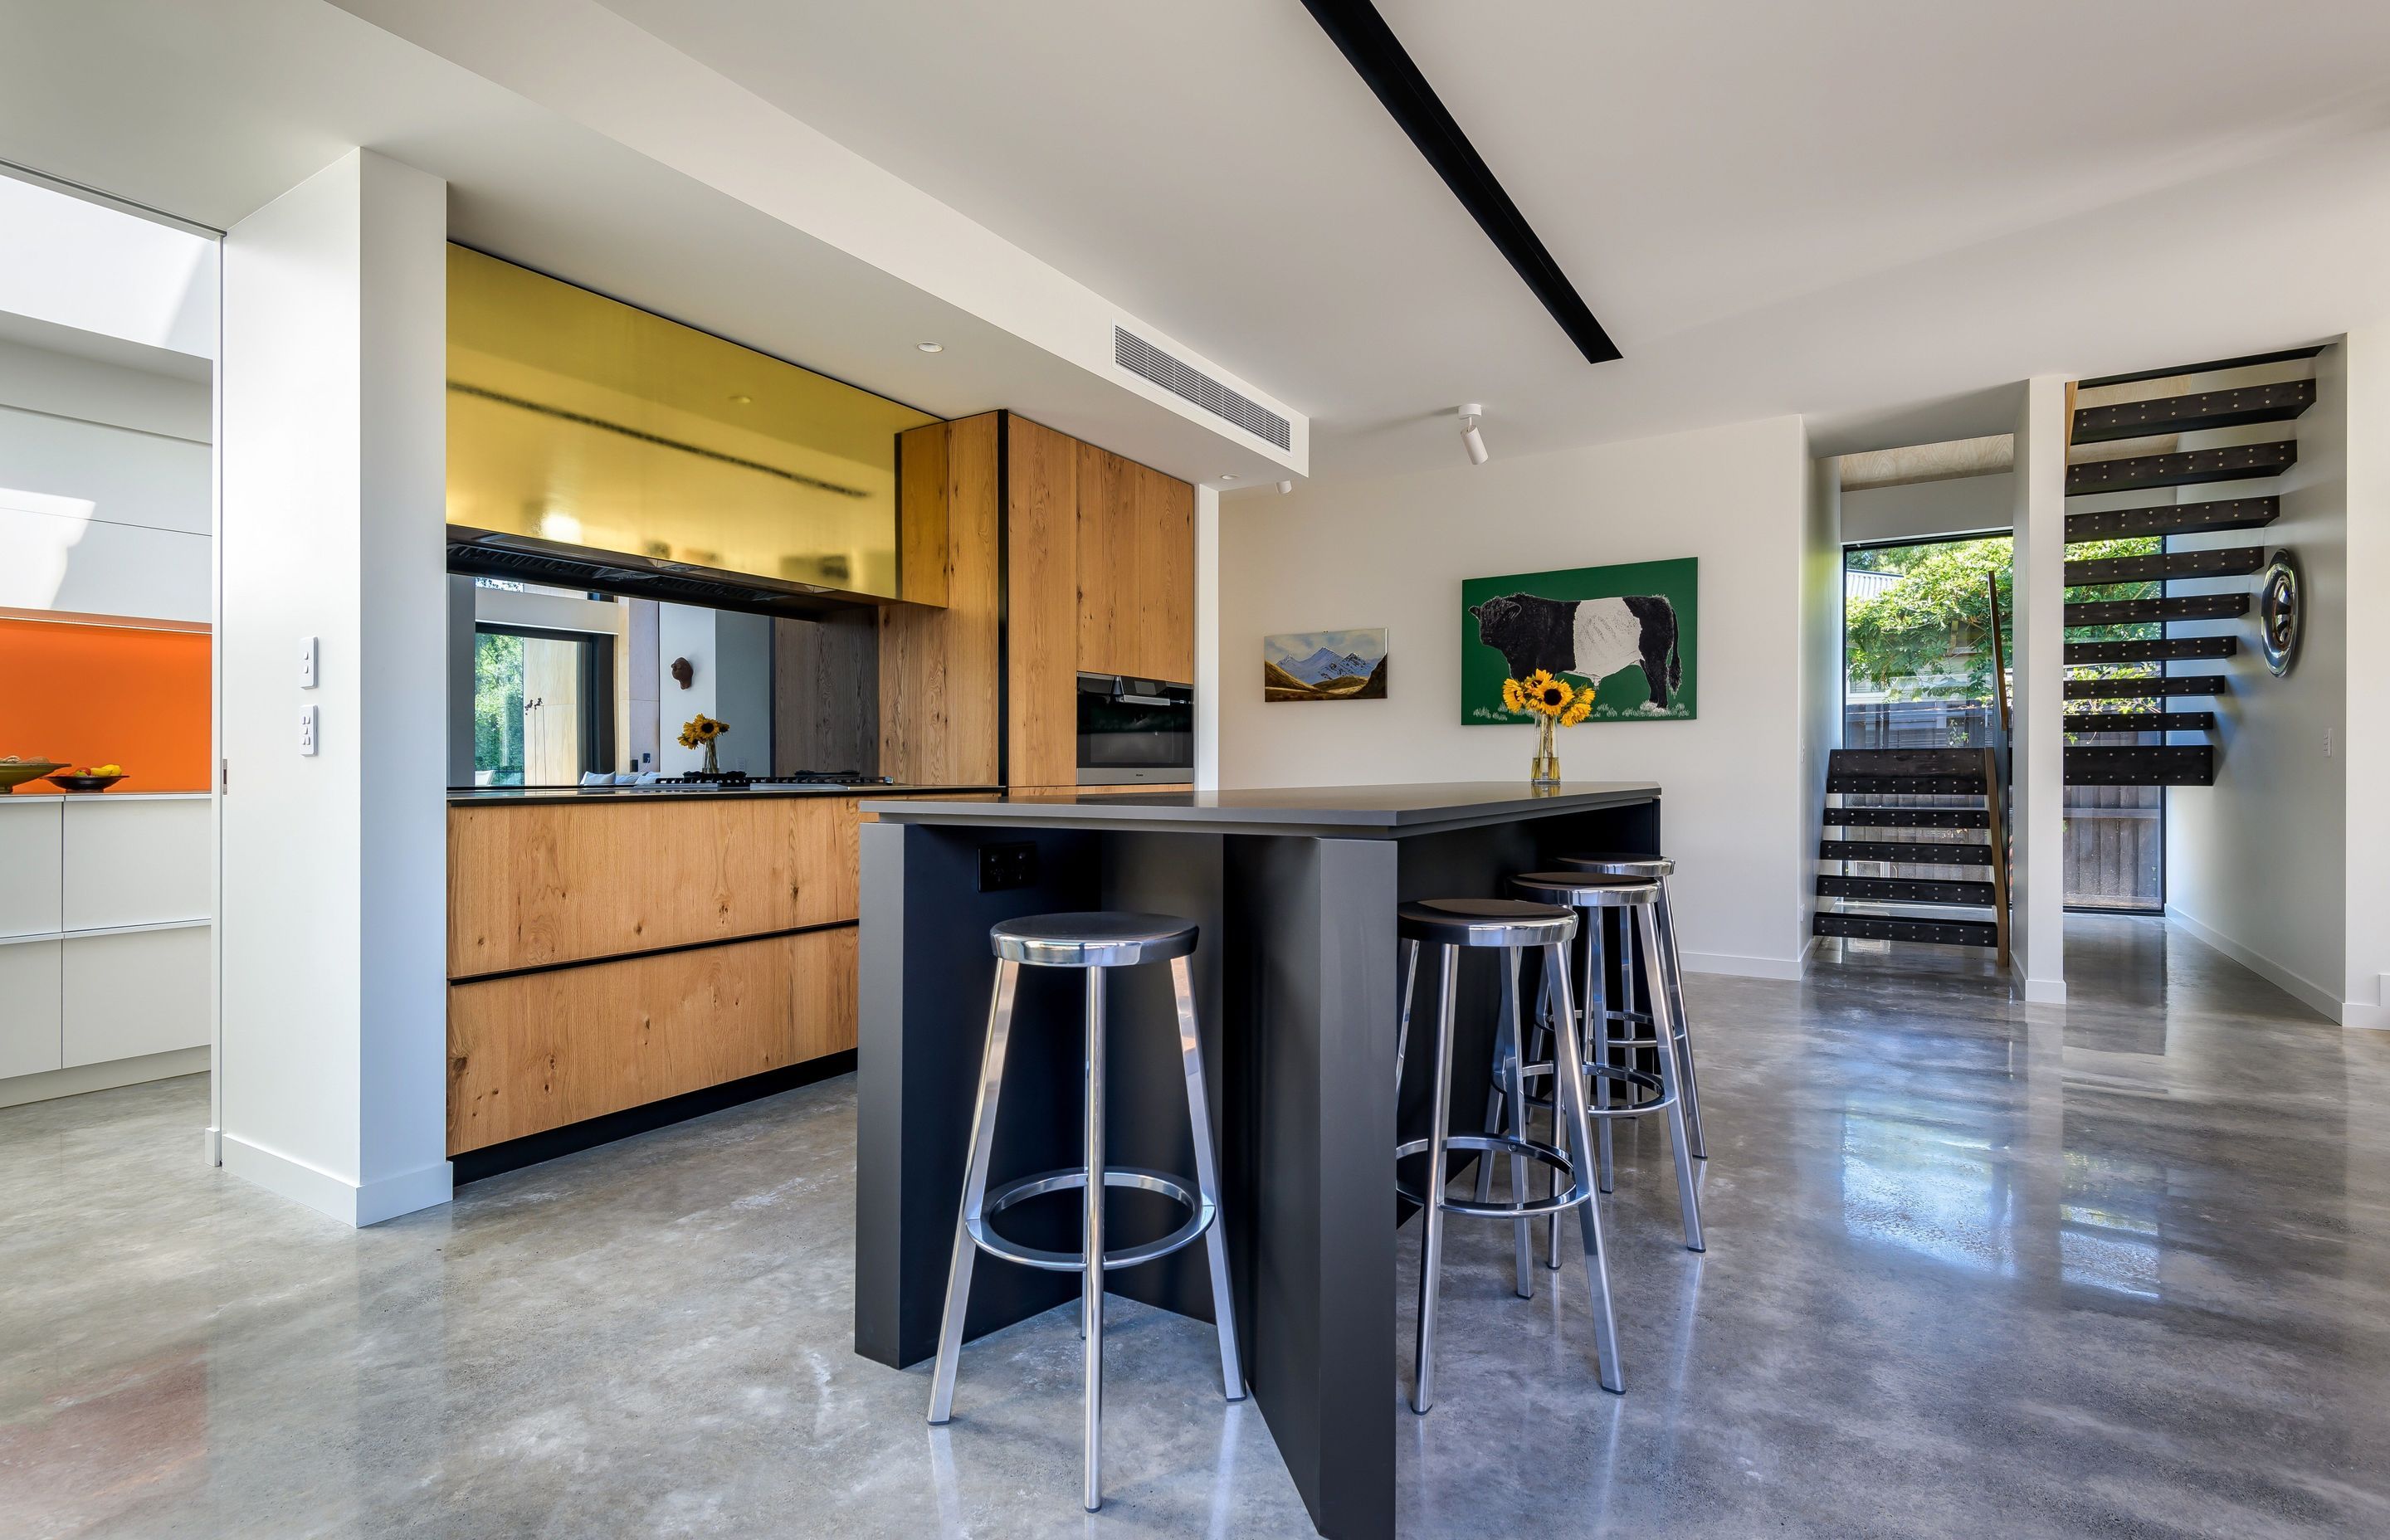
{"points": [[2110, 742], [1876, 789]]}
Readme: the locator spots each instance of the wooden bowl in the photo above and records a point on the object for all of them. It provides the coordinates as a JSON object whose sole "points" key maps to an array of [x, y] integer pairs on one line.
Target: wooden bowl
{"points": [[13, 775], [84, 783]]}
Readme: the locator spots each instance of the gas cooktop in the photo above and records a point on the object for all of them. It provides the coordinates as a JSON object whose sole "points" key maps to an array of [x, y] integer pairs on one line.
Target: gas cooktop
{"points": [[794, 778]]}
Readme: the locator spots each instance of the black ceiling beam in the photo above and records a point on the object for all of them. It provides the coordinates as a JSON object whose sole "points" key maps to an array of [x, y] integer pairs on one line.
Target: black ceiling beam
{"points": [[1371, 46]]}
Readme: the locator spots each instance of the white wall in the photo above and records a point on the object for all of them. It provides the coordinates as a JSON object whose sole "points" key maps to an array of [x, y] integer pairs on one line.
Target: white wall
{"points": [[2255, 864], [1392, 553], [683, 631], [2037, 757], [1821, 666], [2365, 990], [1924, 510], [333, 922], [106, 488]]}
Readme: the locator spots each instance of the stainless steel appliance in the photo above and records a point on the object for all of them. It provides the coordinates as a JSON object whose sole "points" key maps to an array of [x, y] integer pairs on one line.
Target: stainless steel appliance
{"points": [[1135, 730]]}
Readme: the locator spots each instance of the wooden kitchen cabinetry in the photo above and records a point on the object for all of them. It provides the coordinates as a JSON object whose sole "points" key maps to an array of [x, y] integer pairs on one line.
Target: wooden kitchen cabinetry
{"points": [[1033, 557]]}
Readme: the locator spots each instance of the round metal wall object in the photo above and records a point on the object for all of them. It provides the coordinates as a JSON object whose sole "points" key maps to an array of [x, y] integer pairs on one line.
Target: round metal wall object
{"points": [[2282, 611]]}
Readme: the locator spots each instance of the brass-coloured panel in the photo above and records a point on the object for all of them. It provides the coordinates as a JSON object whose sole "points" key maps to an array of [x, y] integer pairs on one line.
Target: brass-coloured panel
{"points": [[577, 419]]}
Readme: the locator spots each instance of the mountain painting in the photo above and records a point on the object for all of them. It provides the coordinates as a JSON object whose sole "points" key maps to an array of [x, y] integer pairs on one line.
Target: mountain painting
{"points": [[1324, 665]]}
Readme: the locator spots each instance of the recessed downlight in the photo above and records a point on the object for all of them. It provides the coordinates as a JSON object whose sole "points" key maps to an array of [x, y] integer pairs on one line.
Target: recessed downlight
{"points": [[931, 347], [742, 401], [1230, 478]]}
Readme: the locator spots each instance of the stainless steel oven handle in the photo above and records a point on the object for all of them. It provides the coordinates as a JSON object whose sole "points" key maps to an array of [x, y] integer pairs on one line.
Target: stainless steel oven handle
{"points": [[1147, 699]]}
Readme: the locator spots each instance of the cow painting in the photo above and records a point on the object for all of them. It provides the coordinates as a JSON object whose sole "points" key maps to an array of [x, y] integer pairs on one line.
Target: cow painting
{"points": [[1591, 639]]}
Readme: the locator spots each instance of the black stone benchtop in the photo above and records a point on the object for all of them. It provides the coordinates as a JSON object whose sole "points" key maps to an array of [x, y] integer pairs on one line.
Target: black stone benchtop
{"points": [[519, 796], [1349, 812]]}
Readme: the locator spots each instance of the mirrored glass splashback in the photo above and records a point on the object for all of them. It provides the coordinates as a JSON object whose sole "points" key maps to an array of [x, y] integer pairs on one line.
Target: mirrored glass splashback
{"points": [[577, 419]]}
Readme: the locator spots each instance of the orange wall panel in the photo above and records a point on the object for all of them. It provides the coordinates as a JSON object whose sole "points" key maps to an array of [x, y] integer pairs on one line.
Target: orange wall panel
{"points": [[97, 694]]}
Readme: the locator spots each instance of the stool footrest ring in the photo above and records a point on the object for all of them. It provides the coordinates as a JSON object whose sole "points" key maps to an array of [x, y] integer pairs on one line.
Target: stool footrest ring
{"points": [[1492, 1143], [1635, 1079], [1201, 1215]]}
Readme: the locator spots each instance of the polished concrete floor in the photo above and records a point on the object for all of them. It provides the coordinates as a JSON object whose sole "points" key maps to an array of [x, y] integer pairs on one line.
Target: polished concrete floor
{"points": [[1975, 1269]]}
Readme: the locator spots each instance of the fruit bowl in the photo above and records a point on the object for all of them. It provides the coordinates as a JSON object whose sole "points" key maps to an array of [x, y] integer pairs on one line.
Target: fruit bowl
{"points": [[85, 783], [16, 772]]}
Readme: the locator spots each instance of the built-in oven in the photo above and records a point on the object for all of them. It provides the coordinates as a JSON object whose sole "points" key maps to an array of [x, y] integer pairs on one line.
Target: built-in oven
{"points": [[1135, 730]]}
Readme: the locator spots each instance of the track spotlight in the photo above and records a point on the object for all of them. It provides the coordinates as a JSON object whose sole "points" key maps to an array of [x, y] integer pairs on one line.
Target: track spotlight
{"points": [[1469, 438], [1285, 487]]}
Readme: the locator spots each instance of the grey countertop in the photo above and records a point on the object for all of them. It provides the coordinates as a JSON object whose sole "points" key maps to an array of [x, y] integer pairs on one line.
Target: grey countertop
{"points": [[1353, 811], [480, 796]]}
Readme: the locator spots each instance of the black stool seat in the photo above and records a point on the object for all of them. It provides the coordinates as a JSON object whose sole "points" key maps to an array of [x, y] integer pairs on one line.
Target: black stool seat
{"points": [[1588, 889], [1649, 867], [1485, 922], [1095, 940]]}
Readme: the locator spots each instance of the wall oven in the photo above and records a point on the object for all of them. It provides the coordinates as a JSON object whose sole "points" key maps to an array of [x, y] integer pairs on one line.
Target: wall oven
{"points": [[1135, 730]]}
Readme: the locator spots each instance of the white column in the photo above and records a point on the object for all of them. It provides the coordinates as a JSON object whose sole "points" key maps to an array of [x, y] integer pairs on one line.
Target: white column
{"points": [[1208, 683], [2365, 991], [333, 923], [2037, 759]]}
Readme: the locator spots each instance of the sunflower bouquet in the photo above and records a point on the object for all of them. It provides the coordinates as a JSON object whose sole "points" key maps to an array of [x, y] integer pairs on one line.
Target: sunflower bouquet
{"points": [[1554, 702], [698, 731]]}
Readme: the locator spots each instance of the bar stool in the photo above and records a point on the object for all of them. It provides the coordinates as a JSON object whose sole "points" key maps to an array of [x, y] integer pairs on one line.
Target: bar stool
{"points": [[1094, 943], [1637, 904], [1451, 924], [1658, 868]]}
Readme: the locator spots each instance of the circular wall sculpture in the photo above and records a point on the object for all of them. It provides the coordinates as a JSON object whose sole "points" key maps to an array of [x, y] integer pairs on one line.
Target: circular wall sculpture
{"points": [[2282, 611]]}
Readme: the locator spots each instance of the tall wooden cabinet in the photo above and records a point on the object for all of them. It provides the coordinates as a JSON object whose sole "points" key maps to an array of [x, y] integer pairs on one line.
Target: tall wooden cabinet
{"points": [[1054, 556]]}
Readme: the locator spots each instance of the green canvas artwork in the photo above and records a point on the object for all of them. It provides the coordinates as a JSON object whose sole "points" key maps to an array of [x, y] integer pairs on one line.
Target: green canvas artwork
{"points": [[1629, 630]]}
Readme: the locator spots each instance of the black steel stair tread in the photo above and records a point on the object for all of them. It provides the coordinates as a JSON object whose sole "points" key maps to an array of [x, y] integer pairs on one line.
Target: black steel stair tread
{"points": [[2143, 690], [2138, 420], [2183, 607], [2152, 650], [2191, 468], [2223, 513], [1908, 890], [1941, 932], [1905, 762], [2139, 765], [2100, 571], [1907, 817], [2212, 366], [2139, 722], [1902, 852]]}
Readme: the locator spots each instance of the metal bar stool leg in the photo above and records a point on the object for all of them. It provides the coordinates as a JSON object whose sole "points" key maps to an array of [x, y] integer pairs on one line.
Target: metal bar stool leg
{"points": [[1551, 1039], [1568, 1079], [1207, 1181], [1675, 977], [1092, 1243], [1506, 1103], [1403, 1033], [1646, 926], [1431, 1243], [1596, 1036], [959, 1275]]}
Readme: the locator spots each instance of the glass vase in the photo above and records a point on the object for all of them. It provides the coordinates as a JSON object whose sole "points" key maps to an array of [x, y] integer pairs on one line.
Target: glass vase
{"points": [[712, 766], [1546, 772]]}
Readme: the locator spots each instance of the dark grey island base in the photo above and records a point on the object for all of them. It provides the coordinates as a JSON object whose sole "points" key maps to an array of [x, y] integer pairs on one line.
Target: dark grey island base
{"points": [[1297, 980]]}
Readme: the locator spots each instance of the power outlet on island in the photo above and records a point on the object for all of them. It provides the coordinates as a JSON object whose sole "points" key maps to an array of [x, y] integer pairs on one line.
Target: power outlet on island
{"points": [[1011, 865]]}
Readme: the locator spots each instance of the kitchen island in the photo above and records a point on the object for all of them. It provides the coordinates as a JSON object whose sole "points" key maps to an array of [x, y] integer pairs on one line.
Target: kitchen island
{"points": [[1297, 983]]}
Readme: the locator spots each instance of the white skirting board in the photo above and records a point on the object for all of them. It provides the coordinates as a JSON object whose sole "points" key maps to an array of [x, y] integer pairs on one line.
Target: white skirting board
{"points": [[2325, 1003], [1738, 967], [76, 1081], [2034, 991], [422, 1188]]}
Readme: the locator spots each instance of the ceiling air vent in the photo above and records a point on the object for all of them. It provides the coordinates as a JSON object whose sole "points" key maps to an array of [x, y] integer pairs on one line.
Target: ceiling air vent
{"points": [[1141, 358]]}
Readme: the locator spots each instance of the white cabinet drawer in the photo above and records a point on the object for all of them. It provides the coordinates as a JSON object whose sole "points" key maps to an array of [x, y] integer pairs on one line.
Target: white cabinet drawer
{"points": [[28, 1008], [136, 862], [137, 994], [28, 865]]}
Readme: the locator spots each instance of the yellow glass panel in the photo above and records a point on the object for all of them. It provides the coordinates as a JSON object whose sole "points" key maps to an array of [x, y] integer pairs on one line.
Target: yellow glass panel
{"points": [[577, 419]]}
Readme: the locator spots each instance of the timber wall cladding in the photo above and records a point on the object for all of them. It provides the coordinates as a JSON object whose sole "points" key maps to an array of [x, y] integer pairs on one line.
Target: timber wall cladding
{"points": [[534, 885], [537, 1052]]}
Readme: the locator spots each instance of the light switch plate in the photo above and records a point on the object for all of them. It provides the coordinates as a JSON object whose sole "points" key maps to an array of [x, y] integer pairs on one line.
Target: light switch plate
{"points": [[306, 663], [307, 729]]}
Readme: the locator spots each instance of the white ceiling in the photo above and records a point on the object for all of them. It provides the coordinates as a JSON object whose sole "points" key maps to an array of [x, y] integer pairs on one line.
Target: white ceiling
{"points": [[1875, 213]]}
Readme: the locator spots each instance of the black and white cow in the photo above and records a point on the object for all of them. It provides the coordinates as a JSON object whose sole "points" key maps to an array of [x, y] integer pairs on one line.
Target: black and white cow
{"points": [[1591, 639]]}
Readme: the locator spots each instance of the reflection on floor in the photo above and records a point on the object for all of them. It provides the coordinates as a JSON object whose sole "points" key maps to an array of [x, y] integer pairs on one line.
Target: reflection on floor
{"points": [[1975, 1269]]}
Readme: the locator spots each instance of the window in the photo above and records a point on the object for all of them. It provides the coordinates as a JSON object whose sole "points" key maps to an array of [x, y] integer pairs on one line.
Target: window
{"points": [[543, 705]]}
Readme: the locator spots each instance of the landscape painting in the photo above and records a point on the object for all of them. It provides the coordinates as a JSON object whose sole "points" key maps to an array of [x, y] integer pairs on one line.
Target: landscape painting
{"points": [[1324, 665], [1628, 629]]}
